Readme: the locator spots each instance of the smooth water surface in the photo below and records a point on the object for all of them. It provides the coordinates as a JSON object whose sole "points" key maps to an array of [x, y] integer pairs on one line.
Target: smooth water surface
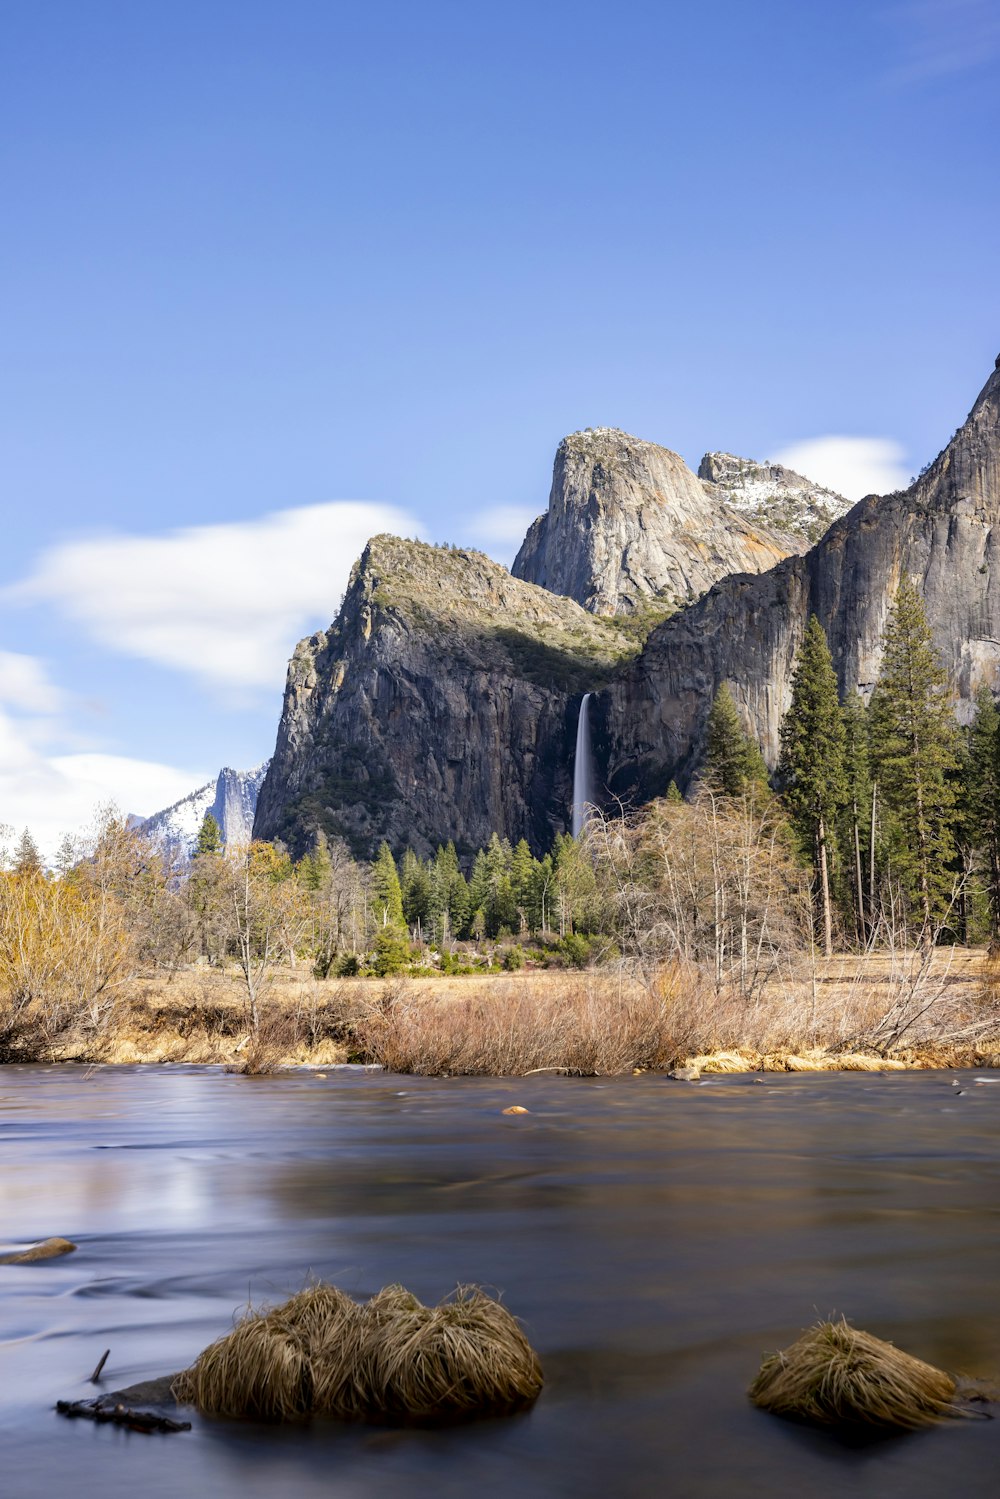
{"points": [[655, 1237]]}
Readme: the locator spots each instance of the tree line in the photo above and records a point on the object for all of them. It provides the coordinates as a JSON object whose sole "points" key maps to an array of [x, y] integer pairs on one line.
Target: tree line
{"points": [[879, 819], [894, 808]]}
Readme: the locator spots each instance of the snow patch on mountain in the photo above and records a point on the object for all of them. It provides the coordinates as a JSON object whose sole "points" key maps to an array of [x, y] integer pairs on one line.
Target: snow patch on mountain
{"points": [[772, 495], [232, 800]]}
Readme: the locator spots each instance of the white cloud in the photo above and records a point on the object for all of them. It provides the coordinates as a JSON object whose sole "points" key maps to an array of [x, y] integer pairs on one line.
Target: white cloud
{"points": [[503, 523], [852, 466], [25, 684], [53, 793], [499, 530], [226, 602]]}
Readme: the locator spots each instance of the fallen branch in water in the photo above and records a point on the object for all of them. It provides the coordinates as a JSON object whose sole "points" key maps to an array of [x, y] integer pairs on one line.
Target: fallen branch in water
{"points": [[118, 1415], [103, 1360]]}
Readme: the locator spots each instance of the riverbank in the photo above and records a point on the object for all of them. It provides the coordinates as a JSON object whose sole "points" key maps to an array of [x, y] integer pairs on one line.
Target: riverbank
{"points": [[850, 1013]]}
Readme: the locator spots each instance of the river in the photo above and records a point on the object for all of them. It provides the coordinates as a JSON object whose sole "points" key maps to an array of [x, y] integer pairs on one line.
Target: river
{"points": [[655, 1237]]}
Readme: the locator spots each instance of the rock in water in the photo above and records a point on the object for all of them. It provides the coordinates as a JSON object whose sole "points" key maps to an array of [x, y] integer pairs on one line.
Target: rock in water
{"points": [[47, 1249]]}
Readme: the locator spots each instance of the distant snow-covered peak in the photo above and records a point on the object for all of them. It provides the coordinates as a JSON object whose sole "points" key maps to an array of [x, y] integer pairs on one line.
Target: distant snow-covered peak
{"points": [[232, 800]]}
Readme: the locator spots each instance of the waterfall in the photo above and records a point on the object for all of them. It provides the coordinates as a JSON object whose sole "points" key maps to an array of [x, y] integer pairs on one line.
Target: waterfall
{"points": [[583, 779]]}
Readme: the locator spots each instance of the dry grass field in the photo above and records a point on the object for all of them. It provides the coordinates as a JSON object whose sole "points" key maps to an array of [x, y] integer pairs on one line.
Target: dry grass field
{"points": [[859, 1012]]}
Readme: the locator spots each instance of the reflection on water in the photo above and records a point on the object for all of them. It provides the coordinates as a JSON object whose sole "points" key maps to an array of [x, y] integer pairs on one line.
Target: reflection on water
{"points": [[655, 1237]]}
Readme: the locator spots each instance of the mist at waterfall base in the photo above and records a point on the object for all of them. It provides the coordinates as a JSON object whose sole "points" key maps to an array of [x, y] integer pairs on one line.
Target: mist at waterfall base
{"points": [[583, 770]]}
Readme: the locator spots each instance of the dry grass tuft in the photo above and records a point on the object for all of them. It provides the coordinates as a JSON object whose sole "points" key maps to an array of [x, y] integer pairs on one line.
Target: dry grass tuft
{"points": [[726, 1061], [458, 1359], [836, 1376], [391, 1359], [260, 1370]]}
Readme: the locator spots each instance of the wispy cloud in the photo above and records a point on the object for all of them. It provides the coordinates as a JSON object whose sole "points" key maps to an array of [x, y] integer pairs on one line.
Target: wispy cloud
{"points": [[499, 530], [941, 38], [54, 793], [25, 684], [224, 603], [851, 466]]}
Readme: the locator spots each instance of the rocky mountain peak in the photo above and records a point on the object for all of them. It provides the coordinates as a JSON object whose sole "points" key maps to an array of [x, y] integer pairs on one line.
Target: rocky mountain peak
{"points": [[628, 522], [773, 496], [232, 800], [440, 673]]}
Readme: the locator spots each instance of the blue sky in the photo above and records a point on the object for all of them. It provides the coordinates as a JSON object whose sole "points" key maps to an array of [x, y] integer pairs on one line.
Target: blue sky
{"points": [[261, 259]]}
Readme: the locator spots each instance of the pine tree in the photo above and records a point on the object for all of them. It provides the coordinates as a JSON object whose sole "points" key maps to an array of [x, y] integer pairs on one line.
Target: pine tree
{"points": [[448, 912], [209, 837], [981, 798], [673, 794], [733, 761], [387, 897], [415, 887], [522, 872], [913, 753], [812, 761], [856, 825], [27, 859], [314, 869]]}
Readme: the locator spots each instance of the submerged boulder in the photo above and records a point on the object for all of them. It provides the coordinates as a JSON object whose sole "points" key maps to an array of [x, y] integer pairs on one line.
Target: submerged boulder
{"points": [[46, 1249]]}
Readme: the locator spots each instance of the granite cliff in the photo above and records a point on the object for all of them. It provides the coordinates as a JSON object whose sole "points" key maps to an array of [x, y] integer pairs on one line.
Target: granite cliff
{"points": [[443, 702], [232, 800], [770, 495], [628, 522], [440, 704], [944, 531]]}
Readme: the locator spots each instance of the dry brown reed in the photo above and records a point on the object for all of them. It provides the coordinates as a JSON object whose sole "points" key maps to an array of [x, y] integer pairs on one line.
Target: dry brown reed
{"points": [[852, 1011], [457, 1359], [835, 1375], [830, 1018], [259, 1370], [391, 1359]]}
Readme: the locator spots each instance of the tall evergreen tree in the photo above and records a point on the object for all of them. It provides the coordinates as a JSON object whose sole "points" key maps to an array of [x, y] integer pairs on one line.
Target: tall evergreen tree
{"points": [[387, 897], [733, 761], [449, 897], [913, 738], [812, 762], [856, 826], [981, 798], [415, 887], [522, 871], [209, 837]]}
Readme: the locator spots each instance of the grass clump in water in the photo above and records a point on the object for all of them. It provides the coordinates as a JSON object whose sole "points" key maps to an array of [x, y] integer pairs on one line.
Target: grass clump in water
{"points": [[835, 1375], [390, 1359], [260, 1370]]}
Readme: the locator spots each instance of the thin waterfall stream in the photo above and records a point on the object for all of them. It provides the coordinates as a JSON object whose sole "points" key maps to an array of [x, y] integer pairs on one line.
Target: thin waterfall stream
{"points": [[583, 775]]}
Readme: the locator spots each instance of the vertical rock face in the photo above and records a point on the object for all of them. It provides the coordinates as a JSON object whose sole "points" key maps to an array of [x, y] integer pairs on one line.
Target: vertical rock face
{"points": [[443, 703], [944, 531], [770, 495], [232, 800], [440, 705], [628, 521]]}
